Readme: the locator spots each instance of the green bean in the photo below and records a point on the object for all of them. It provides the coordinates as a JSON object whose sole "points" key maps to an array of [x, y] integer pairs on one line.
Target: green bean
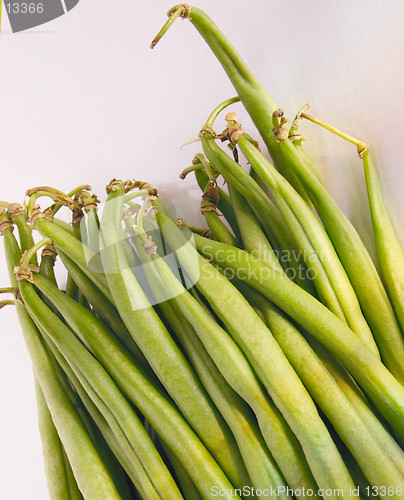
{"points": [[92, 477], [233, 365], [255, 176], [124, 456], [81, 299], [257, 101], [59, 475], [19, 217], [48, 256], [265, 210], [368, 452], [275, 372], [359, 478], [360, 403], [60, 479], [159, 348], [118, 473], [63, 370], [332, 283], [209, 203], [154, 405], [82, 362], [389, 252], [72, 289], [202, 302], [210, 199], [109, 427], [217, 228], [260, 465], [186, 485], [351, 250], [254, 239], [90, 230], [63, 224], [46, 267], [380, 385]]}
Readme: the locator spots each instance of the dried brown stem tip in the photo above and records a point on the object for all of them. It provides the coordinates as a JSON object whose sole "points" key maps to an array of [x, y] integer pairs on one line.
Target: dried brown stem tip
{"points": [[26, 272], [5, 222], [279, 129], [185, 13], [113, 185], [86, 201], [49, 252], [15, 209], [37, 214], [135, 184]]}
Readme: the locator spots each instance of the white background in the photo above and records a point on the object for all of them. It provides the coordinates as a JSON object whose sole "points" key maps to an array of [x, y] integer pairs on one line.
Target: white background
{"points": [[83, 99]]}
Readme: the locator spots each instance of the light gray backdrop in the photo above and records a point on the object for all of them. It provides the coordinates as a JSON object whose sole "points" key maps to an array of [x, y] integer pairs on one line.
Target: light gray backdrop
{"points": [[83, 99]]}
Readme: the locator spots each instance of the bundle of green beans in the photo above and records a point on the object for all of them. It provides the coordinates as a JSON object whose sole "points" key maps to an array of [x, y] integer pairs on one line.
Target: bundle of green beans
{"points": [[189, 363]]}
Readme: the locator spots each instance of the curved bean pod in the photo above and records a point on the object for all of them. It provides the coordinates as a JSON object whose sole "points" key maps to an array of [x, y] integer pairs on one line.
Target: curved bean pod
{"points": [[255, 98]]}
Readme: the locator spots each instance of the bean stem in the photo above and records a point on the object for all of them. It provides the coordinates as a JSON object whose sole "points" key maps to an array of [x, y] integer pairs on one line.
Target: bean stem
{"points": [[257, 101]]}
